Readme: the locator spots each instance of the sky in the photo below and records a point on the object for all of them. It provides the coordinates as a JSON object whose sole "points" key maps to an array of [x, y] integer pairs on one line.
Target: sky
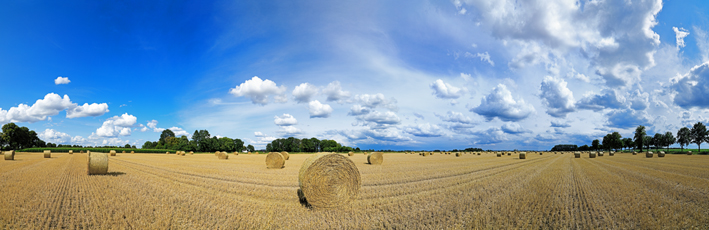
{"points": [[424, 75]]}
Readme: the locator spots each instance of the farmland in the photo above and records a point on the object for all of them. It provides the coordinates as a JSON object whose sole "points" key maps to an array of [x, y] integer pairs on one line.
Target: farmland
{"points": [[407, 191]]}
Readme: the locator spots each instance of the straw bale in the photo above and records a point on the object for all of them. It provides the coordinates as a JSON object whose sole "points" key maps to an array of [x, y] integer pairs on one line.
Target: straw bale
{"points": [[47, 153], [98, 163], [328, 181], [275, 160], [375, 158]]}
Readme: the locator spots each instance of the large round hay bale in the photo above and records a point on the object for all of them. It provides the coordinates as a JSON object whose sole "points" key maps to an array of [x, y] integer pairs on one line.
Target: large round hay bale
{"points": [[522, 155], [499, 154], [132, 152], [577, 154], [113, 153], [47, 154], [192, 153], [222, 155], [329, 181], [648, 154], [352, 154], [275, 160], [661, 154], [457, 154], [611, 153], [9, 155], [689, 152], [592, 155], [98, 163], [600, 154], [71, 151], [285, 155], [124, 151], [375, 158], [635, 153]]}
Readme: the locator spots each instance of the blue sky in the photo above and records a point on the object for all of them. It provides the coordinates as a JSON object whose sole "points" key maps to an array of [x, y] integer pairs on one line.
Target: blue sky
{"points": [[383, 75]]}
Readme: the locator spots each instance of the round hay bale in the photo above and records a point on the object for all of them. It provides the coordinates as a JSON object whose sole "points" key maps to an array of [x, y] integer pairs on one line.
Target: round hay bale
{"points": [[71, 151], [191, 152], [478, 153], [124, 151], [611, 153], [509, 153], [577, 154], [352, 154], [132, 152], [275, 160], [9, 155], [592, 155], [98, 164], [522, 155], [661, 154], [82, 151], [47, 154], [689, 152], [167, 152], [600, 154], [457, 154], [235, 153], [648, 154], [285, 155], [113, 153], [635, 153], [499, 154], [222, 156], [375, 158], [329, 181]]}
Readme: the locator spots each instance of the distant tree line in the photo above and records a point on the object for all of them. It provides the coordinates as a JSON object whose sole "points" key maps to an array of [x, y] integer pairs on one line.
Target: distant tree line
{"points": [[201, 141], [292, 144], [698, 134]]}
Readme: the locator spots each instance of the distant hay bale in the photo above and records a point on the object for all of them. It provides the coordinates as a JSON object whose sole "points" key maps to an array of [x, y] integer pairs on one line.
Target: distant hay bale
{"points": [[611, 153], [182, 153], [457, 154], [222, 155], [216, 153], [661, 154], [352, 154], [689, 152], [285, 155], [375, 158], [236, 153], [71, 151], [167, 152], [328, 181], [9, 155], [124, 151], [98, 164], [635, 153], [113, 153], [47, 154], [577, 154], [541, 153], [249, 153], [191, 152], [275, 160], [478, 153], [600, 154], [648, 154], [499, 154], [522, 155], [82, 151], [132, 152], [592, 155]]}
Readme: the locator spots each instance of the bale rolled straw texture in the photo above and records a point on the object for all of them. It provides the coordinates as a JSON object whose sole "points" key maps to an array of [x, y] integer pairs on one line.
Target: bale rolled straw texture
{"points": [[132, 152], [375, 158], [328, 181], [98, 163], [124, 151], [611, 153], [457, 154], [352, 154], [577, 154], [689, 152], [47, 154], [9, 155], [648, 154], [71, 151], [222, 156], [661, 154], [285, 155], [592, 155], [275, 160], [113, 153], [499, 154], [522, 155]]}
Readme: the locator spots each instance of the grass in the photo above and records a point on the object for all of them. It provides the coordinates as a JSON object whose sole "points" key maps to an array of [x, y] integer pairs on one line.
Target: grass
{"points": [[551, 191]]}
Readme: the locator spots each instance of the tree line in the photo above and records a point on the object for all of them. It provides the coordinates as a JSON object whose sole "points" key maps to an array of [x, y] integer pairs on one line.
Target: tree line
{"points": [[292, 144], [201, 141], [698, 134]]}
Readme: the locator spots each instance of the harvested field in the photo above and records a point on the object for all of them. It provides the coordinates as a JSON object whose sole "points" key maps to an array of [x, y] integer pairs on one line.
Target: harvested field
{"points": [[552, 191]]}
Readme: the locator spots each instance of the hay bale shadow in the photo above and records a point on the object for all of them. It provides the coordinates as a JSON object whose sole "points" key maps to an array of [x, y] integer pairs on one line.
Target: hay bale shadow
{"points": [[114, 174], [303, 201]]}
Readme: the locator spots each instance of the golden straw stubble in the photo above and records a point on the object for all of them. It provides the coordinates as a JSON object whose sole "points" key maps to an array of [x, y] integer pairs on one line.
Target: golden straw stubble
{"points": [[375, 158], [98, 163], [329, 180], [275, 160]]}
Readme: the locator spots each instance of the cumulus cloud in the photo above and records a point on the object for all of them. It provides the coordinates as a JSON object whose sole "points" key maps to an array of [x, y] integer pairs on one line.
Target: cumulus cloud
{"points": [[560, 124], [690, 90], [179, 131], [258, 91], [87, 110], [680, 34], [457, 117], [490, 136], [483, 57], [304, 92], [318, 109], [153, 124], [500, 103], [50, 105], [335, 93], [117, 126], [558, 99], [514, 128], [376, 136], [445, 90], [53, 136], [79, 140], [61, 80], [627, 118], [375, 100], [378, 119], [608, 99], [290, 131], [639, 100], [357, 110], [285, 120], [424, 130]]}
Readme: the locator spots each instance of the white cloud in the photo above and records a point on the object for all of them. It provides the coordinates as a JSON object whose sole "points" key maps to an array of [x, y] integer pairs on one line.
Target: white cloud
{"points": [[690, 90], [639, 100], [424, 130], [514, 128], [357, 110], [376, 136], [556, 97], [258, 91], [143, 128], [53, 136], [87, 110], [457, 117], [334, 92], [702, 43], [375, 100], [117, 126], [680, 34], [290, 130], [318, 109], [627, 118], [304, 92], [608, 99], [445, 90], [500, 103], [483, 57], [560, 124], [377, 118], [259, 134], [490, 136], [285, 120], [179, 132], [79, 140], [61, 80]]}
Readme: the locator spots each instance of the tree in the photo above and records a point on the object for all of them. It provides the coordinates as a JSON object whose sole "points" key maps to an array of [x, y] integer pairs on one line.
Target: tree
{"points": [[683, 137], [669, 139], [127, 146], [658, 140], [594, 144], [238, 145], [640, 137], [607, 141], [149, 145], [17, 137], [250, 148], [628, 142], [616, 141], [698, 134], [165, 134], [198, 137], [647, 141], [226, 144]]}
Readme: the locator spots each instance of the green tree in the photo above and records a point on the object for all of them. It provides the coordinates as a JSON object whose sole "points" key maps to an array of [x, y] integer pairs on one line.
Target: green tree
{"points": [[198, 138], [165, 134], [647, 141], [250, 148], [607, 141], [127, 146], [238, 145], [669, 139], [628, 142], [640, 137], [658, 140], [684, 137], [226, 144], [616, 141], [316, 144], [149, 145], [698, 134], [594, 144]]}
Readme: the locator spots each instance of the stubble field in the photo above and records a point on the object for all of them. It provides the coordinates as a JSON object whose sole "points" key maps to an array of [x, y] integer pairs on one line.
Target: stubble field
{"points": [[550, 191]]}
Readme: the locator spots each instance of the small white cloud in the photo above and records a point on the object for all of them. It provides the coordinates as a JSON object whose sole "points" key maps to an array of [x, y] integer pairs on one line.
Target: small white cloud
{"points": [[318, 109], [560, 124], [377, 118], [680, 34], [258, 91], [456, 117], [87, 110], [375, 100], [556, 97], [61, 80], [334, 92], [53, 136], [446, 91], [304, 92], [179, 132], [483, 57], [500, 103], [357, 110], [424, 130], [290, 130], [514, 128], [117, 125], [608, 99], [259, 134], [285, 120]]}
